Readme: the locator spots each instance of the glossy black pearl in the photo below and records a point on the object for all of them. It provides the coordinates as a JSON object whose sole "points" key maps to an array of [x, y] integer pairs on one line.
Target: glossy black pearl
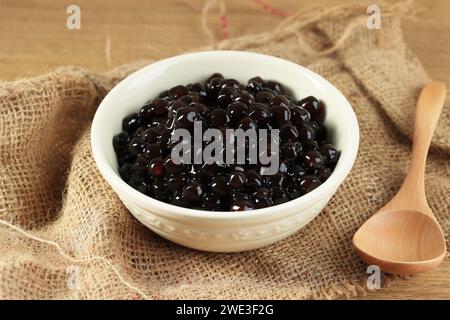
{"points": [[295, 175], [263, 97], [241, 205], [130, 123], [211, 201], [178, 91], [214, 85], [218, 118], [185, 118], [164, 140], [253, 180], [126, 171], [299, 115], [315, 107], [312, 160], [215, 75], [120, 142], [290, 150], [150, 135], [254, 85], [323, 173], [276, 86], [178, 200], [139, 185], [189, 99], [159, 189], [174, 105], [125, 158], [309, 145], [171, 167], [280, 114], [175, 183], [260, 115], [275, 181], [192, 192], [225, 97], [279, 196], [259, 203], [288, 132], [292, 192], [201, 108], [308, 183], [219, 185], [244, 97], [232, 83], [152, 151], [237, 111], [142, 161], [247, 123], [135, 146], [156, 167], [195, 87], [306, 132], [261, 193], [279, 100], [330, 153], [154, 109], [206, 173], [237, 180]]}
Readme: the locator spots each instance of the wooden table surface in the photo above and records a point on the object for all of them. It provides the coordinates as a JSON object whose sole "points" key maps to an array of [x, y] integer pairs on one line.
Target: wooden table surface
{"points": [[34, 39]]}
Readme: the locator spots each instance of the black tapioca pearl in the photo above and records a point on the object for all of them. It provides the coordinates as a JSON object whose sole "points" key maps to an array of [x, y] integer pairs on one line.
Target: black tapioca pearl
{"points": [[280, 114], [126, 171], [156, 168], [120, 142], [308, 183], [260, 115], [315, 107], [290, 150], [232, 83], [192, 192], [276, 86], [219, 186], [178, 91], [237, 111], [323, 173], [244, 97], [299, 116], [135, 146], [131, 123], [312, 160], [330, 153], [218, 118]]}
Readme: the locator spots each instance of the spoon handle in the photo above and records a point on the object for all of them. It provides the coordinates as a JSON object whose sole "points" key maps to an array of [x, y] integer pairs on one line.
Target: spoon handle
{"points": [[428, 110]]}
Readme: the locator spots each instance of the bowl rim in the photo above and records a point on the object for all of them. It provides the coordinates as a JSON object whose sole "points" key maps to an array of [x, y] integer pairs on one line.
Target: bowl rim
{"points": [[347, 157]]}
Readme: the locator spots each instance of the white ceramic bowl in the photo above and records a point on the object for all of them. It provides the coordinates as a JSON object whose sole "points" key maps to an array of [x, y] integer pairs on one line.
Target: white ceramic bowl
{"points": [[222, 231]]}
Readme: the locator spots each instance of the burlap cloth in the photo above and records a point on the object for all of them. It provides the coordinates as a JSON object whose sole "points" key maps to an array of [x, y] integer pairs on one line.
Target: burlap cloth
{"points": [[71, 223]]}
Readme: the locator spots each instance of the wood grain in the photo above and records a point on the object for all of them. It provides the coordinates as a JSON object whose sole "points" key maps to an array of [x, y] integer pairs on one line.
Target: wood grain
{"points": [[34, 39]]}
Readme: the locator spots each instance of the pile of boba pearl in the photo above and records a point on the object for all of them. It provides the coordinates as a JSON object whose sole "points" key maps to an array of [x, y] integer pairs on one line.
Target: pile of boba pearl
{"points": [[306, 157]]}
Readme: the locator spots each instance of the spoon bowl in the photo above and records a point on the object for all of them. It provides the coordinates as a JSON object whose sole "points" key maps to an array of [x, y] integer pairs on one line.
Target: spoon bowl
{"points": [[420, 242], [404, 236]]}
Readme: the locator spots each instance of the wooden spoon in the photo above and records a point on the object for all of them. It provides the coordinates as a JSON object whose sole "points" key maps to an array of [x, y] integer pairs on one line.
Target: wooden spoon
{"points": [[404, 236]]}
